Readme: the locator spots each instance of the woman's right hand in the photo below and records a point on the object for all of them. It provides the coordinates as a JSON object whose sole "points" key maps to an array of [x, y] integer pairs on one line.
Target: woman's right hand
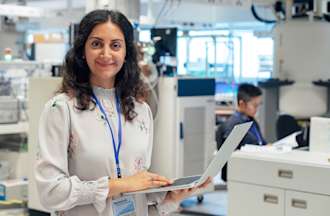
{"points": [[140, 181], [144, 180]]}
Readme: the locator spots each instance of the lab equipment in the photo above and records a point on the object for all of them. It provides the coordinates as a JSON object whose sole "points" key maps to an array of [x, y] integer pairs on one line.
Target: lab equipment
{"points": [[184, 137], [14, 189], [9, 110]]}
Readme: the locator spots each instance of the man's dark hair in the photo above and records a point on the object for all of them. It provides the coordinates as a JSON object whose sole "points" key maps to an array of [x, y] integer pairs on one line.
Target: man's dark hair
{"points": [[247, 91]]}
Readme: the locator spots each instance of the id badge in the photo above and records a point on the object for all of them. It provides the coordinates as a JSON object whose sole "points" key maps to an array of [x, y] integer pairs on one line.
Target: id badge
{"points": [[123, 206]]}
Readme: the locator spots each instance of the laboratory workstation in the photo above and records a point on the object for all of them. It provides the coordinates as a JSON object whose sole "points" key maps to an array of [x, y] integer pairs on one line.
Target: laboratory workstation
{"points": [[164, 107]]}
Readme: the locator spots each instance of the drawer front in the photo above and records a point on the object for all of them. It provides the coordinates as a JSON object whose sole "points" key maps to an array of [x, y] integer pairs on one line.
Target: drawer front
{"points": [[305, 204], [280, 174], [246, 199]]}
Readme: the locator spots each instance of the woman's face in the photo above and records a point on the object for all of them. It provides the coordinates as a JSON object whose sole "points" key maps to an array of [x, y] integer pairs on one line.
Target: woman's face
{"points": [[105, 52]]}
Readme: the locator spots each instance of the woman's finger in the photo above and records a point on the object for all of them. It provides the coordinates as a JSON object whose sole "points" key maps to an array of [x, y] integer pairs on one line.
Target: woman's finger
{"points": [[161, 178], [156, 183]]}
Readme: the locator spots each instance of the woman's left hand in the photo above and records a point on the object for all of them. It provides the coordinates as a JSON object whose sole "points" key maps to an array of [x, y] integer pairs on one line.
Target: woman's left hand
{"points": [[178, 195]]}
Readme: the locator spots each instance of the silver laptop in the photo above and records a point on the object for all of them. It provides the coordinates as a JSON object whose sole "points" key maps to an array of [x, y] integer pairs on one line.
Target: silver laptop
{"points": [[219, 160]]}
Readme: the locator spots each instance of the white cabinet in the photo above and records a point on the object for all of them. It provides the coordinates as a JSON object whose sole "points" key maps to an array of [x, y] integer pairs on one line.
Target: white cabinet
{"points": [[306, 204], [289, 184], [248, 199]]}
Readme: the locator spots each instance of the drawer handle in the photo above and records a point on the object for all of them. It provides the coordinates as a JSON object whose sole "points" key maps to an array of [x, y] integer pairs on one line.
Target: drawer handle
{"points": [[285, 174], [296, 203], [270, 199]]}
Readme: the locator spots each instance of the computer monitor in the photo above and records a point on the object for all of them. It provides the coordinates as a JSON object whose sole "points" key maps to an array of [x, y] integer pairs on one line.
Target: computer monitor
{"points": [[301, 7], [165, 41], [225, 92]]}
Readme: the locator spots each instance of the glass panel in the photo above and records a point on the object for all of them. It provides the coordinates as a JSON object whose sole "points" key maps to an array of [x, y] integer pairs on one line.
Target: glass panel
{"points": [[257, 57], [231, 56], [200, 55]]}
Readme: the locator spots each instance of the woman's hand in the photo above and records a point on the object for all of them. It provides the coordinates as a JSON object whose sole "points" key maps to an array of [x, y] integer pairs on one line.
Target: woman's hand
{"points": [[178, 195], [140, 181]]}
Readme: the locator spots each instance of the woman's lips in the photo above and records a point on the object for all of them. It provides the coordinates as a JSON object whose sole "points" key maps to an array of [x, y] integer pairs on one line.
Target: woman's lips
{"points": [[105, 64]]}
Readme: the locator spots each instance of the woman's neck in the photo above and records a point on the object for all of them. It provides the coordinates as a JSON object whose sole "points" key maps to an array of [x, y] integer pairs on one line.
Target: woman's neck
{"points": [[103, 84]]}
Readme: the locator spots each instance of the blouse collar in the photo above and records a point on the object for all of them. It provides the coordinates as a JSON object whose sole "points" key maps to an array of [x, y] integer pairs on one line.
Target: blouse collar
{"points": [[103, 92]]}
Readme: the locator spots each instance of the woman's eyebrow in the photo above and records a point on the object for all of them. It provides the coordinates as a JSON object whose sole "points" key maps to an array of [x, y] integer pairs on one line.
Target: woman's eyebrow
{"points": [[121, 40], [95, 37], [98, 38]]}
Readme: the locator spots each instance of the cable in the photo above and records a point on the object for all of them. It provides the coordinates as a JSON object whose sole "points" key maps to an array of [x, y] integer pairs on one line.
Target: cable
{"points": [[169, 8], [160, 12], [255, 14]]}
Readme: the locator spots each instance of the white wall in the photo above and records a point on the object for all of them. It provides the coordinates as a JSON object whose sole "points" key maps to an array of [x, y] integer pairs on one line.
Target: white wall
{"points": [[302, 54]]}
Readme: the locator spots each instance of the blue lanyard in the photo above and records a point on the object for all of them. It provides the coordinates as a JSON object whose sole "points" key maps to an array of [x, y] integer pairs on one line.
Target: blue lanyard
{"points": [[256, 133], [115, 149]]}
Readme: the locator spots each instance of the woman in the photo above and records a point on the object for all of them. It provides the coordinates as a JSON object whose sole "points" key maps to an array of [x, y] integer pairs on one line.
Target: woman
{"points": [[95, 136]]}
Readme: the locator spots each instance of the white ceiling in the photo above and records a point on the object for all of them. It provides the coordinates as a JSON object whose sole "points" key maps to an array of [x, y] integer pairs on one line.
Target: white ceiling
{"points": [[176, 12]]}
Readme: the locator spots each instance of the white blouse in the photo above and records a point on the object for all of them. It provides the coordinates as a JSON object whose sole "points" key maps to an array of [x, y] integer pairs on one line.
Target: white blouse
{"points": [[76, 156]]}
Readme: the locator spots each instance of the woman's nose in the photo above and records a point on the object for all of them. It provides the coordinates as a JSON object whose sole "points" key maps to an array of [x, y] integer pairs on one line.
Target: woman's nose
{"points": [[106, 52]]}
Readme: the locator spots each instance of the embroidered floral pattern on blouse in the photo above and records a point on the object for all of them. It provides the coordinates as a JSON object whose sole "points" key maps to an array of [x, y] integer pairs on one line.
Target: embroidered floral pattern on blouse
{"points": [[100, 117], [139, 164], [142, 126], [109, 108], [73, 143], [54, 103]]}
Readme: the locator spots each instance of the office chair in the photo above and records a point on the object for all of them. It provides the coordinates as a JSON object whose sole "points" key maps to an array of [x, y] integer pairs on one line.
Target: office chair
{"points": [[219, 136], [286, 125]]}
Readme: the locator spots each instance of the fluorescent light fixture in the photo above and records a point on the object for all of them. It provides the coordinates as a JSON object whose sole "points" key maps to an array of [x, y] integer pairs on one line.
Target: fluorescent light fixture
{"points": [[20, 11]]}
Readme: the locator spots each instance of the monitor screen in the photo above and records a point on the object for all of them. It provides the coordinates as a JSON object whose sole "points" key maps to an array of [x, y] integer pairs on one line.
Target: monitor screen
{"points": [[225, 92], [165, 40]]}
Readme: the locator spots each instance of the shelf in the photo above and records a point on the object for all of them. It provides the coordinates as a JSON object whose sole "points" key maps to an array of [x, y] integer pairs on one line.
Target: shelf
{"points": [[21, 127], [20, 64]]}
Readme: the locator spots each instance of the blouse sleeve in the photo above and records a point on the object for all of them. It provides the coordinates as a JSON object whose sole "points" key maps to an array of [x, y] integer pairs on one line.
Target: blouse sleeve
{"points": [[58, 190], [157, 198]]}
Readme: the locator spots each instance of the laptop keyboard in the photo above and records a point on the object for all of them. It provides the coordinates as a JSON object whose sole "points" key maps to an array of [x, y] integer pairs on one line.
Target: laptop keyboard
{"points": [[185, 180]]}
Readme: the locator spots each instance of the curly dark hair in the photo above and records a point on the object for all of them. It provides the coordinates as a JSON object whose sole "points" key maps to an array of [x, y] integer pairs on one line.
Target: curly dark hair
{"points": [[76, 73]]}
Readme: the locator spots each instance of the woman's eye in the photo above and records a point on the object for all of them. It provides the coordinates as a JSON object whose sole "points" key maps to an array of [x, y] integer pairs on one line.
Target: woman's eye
{"points": [[116, 46], [96, 44]]}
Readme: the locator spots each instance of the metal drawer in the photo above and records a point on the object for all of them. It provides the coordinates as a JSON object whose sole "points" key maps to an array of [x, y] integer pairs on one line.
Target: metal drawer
{"points": [[280, 172]]}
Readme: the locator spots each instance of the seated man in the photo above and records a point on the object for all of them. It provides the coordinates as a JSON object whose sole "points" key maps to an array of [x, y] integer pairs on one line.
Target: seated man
{"points": [[248, 101]]}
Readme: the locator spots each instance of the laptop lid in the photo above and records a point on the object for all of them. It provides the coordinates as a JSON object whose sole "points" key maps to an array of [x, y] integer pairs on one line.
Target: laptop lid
{"points": [[226, 149]]}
